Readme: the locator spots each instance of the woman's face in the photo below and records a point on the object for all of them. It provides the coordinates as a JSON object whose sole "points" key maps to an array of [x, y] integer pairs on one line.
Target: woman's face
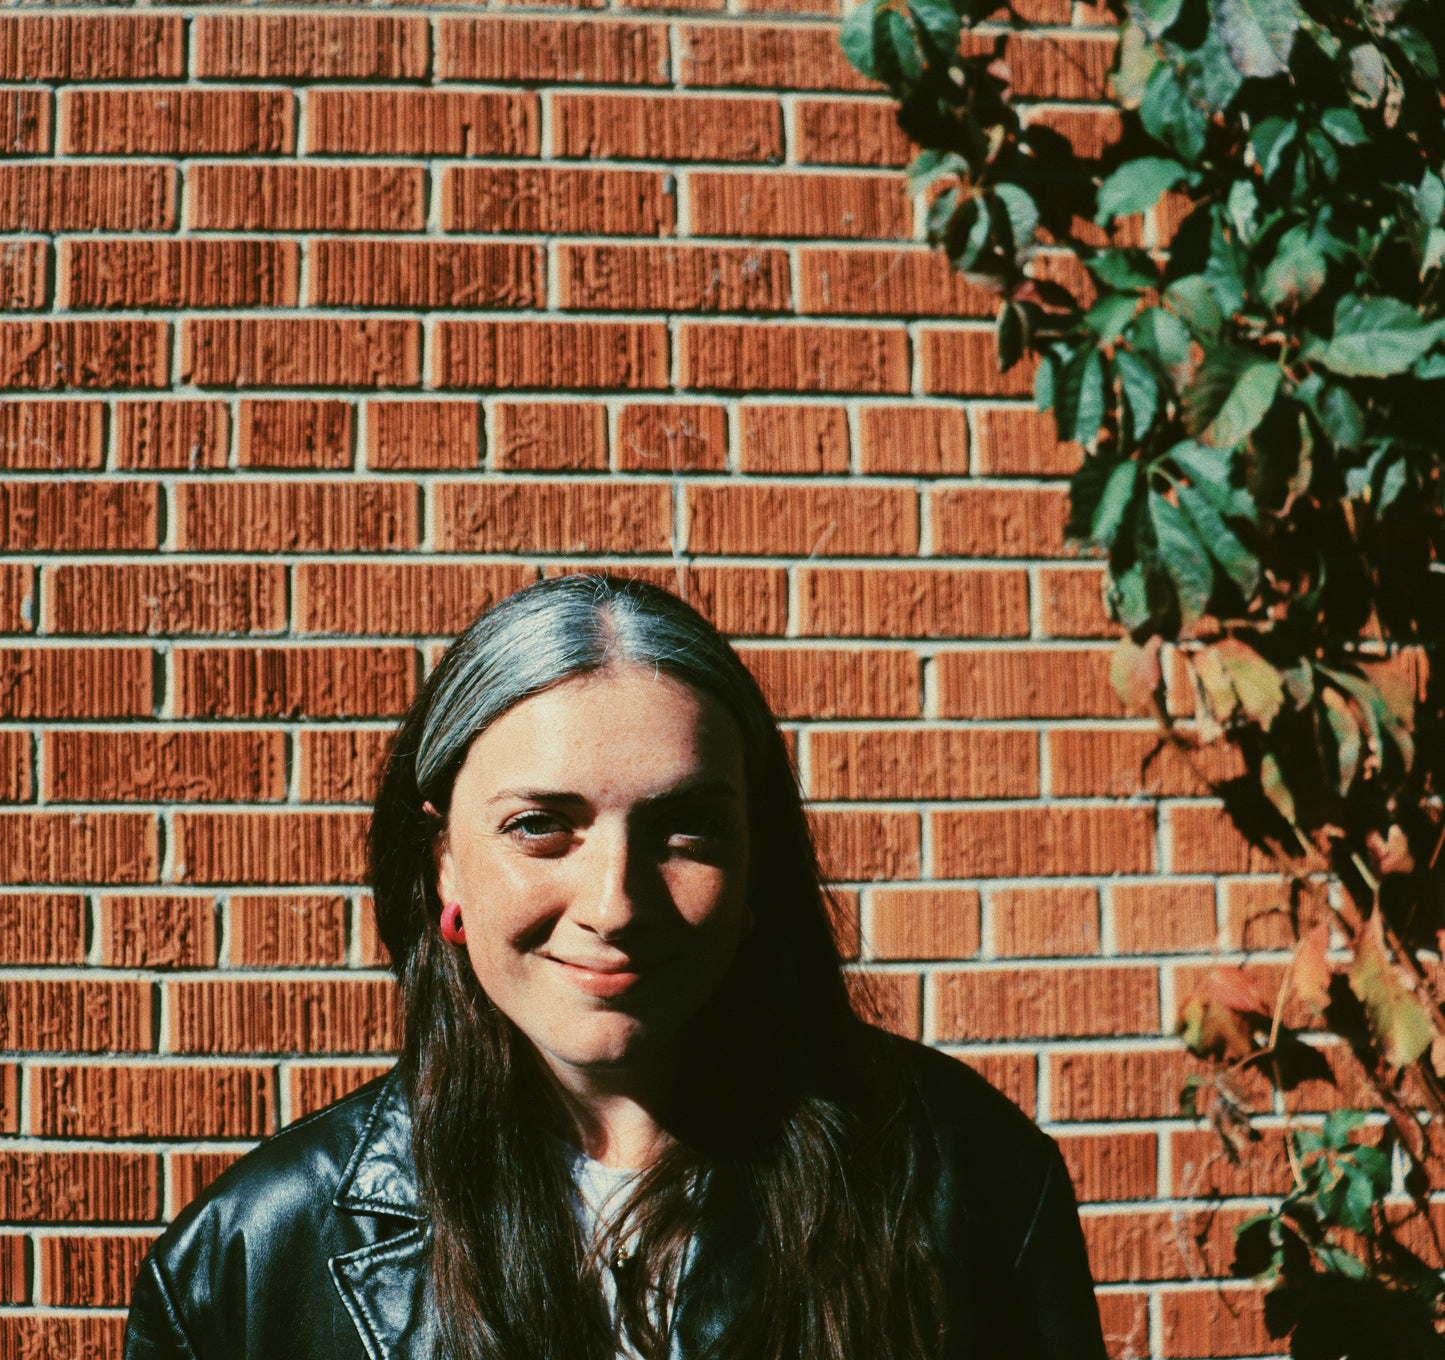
{"points": [[597, 843]]}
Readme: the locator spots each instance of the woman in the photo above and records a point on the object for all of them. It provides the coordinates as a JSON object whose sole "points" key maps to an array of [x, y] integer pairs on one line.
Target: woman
{"points": [[635, 1114]]}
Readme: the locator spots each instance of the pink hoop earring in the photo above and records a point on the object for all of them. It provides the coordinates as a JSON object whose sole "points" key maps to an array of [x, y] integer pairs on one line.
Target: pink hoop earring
{"points": [[454, 930]]}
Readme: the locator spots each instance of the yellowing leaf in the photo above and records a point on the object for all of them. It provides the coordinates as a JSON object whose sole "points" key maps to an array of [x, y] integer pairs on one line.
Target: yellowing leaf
{"points": [[1260, 687], [1135, 674], [1398, 1020], [1221, 1017], [1218, 689], [1312, 967], [1390, 854]]}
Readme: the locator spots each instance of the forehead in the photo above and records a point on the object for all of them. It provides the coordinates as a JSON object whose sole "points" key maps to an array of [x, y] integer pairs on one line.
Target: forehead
{"points": [[627, 726]]}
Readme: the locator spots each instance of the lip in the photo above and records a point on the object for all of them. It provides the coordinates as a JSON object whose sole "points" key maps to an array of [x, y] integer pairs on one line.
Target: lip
{"points": [[601, 979]]}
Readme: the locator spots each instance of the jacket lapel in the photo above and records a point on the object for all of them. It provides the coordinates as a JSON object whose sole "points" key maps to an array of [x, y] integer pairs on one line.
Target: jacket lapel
{"points": [[383, 1284]]}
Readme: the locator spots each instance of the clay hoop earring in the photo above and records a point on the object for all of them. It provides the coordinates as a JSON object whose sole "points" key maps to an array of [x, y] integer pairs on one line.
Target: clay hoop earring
{"points": [[454, 931]]}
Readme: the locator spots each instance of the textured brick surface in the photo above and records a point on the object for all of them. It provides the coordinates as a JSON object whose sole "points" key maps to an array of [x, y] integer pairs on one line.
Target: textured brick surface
{"points": [[171, 434], [311, 46], [237, 197], [301, 353], [188, 273], [23, 284], [382, 273], [41, 928], [91, 47], [53, 355], [350, 1015], [394, 599], [186, 122], [553, 517], [79, 1187], [95, 196], [90, 1271], [549, 434], [168, 766], [894, 763], [86, 1016], [550, 354], [597, 52], [569, 201], [807, 521], [740, 357], [50, 682], [803, 205], [1019, 1002], [423, 434], [237, 682], [913, 602], [654, 437], [672, 278], [157, 931], [192, 597]]}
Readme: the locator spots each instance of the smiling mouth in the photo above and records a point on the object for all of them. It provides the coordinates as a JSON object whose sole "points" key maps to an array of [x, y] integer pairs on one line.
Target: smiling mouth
{"points": [[601, 980]]}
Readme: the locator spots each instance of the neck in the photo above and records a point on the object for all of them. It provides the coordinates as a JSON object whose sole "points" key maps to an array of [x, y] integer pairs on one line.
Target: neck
{"points": [[612, 1115]]}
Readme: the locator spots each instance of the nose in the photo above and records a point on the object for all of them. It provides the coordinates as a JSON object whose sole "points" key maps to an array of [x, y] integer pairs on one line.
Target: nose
{"points": [[611, 899]]}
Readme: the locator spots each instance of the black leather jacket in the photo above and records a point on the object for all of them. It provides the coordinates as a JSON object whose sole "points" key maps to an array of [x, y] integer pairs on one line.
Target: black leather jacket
{"points": [[311, 1246]]}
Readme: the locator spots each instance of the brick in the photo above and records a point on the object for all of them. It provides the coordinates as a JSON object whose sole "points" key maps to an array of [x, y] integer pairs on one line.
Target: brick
{"points": [[17, 597], [270, 847], [828, 521], [1045, 1003], [1175, 1244], [1112, 1084], [189, 1173], [16, 781], [750, 357], [965, 363], [402, 598], [294, 931], [89, 847], [300, 352], [13, 1284], [666, 127], [403, 122], [70, 516], [371, 953], [550, 354], [94, 682], [49, 435], [167, 598], [924, 923], [999, 521], [1124, 762], [311, 46], [79, 1187], [23, 269], [314, 1088], [1015, 1074], [913, 440], [866, 846], [382, 273], [36, 929], [1015, 441], [738, 601], [51, 355], [1088, 132], [902, 763], [672, 438], [1257, 915], [23, 1335], [340, 766], [25, 124], [891, 1001], [294, 434], [189, 766], [778, 438], [675, 278], [90, 1271], [1111, 1167], [9, 1097], [1204, 841], [1071, 603], [898, 282], [80, 1016], [413, 435], [307, 198], [45, 197], [1028, 682], [1163, 918], [565, 201], [1043, 841], [142, 274], [1045, 66], [553, 435], [157, 931], [92, 47], [182, 435], [337, 1015], [177, 122], [551, 517], [293, 682], [784, 204], [1229, 1321], [912, 602], [752, 56], [1044, 922], [819, 682], [598, 52], [850, 132]]}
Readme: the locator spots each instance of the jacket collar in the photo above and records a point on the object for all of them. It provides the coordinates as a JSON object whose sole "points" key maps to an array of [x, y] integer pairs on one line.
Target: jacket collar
{"points": [[380, 1178]]}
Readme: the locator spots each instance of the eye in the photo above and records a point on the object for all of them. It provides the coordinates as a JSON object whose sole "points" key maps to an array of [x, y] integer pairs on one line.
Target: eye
{"points": [[538, 832], [696, 832]]}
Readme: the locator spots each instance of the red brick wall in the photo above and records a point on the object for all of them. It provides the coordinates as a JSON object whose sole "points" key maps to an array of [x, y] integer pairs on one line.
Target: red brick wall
{"points": [[326, 328]]}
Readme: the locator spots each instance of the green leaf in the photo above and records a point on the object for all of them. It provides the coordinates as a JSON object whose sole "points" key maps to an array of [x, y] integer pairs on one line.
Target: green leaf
{"points": [[1241, 565], [1344, 126], [1114, 503], [1268, 141], [1393, 483], [1157, 17], [931, 165], [1259, 685], [1141, 391], [1022, 214], [1169, 116], [1347, 737], [907, 59], [1342, 418], [940, 22], [1137, 60], [1124, 269], [1260, 34], [1209, 470], [1367, 73], [1357, 1207], [1159, 332], [1339, 1125], [1246, 405], [1416, 49], [1243, 205], [1193, 301], [1009, 336], [1210, 77], [1297, 271], [1375, 338], [858, 37], [1110, 314], [944, 211], [1129, 597], [1272, 781], [1184, 559], [1136, 186]]}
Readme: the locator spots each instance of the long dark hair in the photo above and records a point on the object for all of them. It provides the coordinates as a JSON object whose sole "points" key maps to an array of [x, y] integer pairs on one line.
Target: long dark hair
{"points": [[790, 1136]]}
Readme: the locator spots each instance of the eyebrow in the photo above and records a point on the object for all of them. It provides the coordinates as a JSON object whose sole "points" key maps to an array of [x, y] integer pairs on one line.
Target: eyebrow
{"points": [[701, 788]]}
